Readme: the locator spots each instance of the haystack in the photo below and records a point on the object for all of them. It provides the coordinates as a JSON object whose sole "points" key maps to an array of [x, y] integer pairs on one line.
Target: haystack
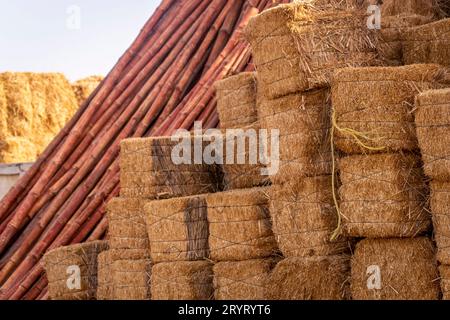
{"points": [[313, 278], [428, 43], [297, 46], [72, 271], [383, 196], [84, 87], [433, 132], [445, 281], [178, 229], [373, 106], [395, 269], [304, 218], [440, 208], [182, 280], [104, 276], [239, 225], [242, 280]]}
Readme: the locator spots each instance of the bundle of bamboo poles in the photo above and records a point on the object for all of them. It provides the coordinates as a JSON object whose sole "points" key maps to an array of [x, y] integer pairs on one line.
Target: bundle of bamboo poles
{"points": [[163, 82]]}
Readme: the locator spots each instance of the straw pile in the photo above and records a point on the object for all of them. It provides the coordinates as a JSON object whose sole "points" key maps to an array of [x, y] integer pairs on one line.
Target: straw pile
{"points": [[182, 280], [33, 109], [445, 281], [177, 229], [433, 132], [296, 47], [428, 43], [61, 267], [313, 278], [394, 269], [440, 208], [84, 87], [239, 225]]}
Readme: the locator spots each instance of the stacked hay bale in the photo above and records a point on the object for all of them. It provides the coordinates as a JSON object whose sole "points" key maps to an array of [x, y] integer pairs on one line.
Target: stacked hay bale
{"points": [[84, 87], [433, 131], [383, 191]]}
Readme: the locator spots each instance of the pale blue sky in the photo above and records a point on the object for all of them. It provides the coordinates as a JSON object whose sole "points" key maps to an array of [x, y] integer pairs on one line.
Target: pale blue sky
{"points": [[43, 35]]}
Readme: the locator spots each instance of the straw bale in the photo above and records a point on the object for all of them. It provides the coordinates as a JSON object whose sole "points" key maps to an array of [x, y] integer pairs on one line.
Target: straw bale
{"points": [[433, 132], [242, 280], [104, 276], [304, 218], [440, 208], [84, 87], [376, 105], [57, 264], [444, 271], [383, 196], [394, 269], [426, 8], [182, 280], [178, 229], [312, 278], [297, 46], [239, 225]]}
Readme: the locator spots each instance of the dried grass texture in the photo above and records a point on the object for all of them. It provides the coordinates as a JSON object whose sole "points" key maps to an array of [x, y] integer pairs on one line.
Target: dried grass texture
{"points": [[57, 263], [242, 280], [313, 278], [297, 46], [374, 106], [407, 269], [304, 218], [239, 225], [182, 280], [303, 121], [428, 43], [383, 196], [444, 271], [84, 87], [33, 109], [178, 229], [440, 208], [104, 276], [433, 132], [148, 171], [426, 8]]}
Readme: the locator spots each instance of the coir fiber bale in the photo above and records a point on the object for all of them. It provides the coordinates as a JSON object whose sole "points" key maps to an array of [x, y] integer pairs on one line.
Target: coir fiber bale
{"points": [[304, 218], [373, 107], [303, 121], [72, 271], [182, 280], [312, 278], [445, 281], [440, 208], [395, 269], [104, 276], [84, 87], [242, 280], [383, 196], [429, 43], [178, 229], [239, 225], [297, 46], [433, 132]]}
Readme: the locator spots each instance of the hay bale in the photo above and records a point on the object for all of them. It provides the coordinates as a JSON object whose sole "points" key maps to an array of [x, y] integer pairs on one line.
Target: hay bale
{"points": [[182, 280], [440, 208], [444, 271], [177, 229], [84, 87], [301, 117], [376, 105], [242, 280], [426, 8], [313, 278], [72, 271], [433, 132], [428, 43], [104, 276], [383, 196], [394, 269], [17, 150], [297, 46], [239, 225], [304, 218]]}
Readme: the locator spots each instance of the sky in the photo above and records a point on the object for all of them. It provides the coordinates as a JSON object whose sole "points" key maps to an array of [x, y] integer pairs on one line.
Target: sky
{"points": [[76, 37]]}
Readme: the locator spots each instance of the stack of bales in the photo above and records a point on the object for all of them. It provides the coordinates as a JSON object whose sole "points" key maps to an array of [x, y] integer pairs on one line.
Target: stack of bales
{"points": [[433, 131], [84, 87], [383, 191]]}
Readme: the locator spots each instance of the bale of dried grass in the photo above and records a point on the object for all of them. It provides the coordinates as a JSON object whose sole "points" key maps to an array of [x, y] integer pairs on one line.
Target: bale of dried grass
{"points": [[394, 269], [303, 121], [444, 271], [433, 132], [428, 43], [383, 195], [297, 46], [84, 87], [239, 225], [58, 265], [177, 229], [373, 106], [426, 8], [304, 218], [312, 278], [182, 280], [440, 208], [104, 276]]}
